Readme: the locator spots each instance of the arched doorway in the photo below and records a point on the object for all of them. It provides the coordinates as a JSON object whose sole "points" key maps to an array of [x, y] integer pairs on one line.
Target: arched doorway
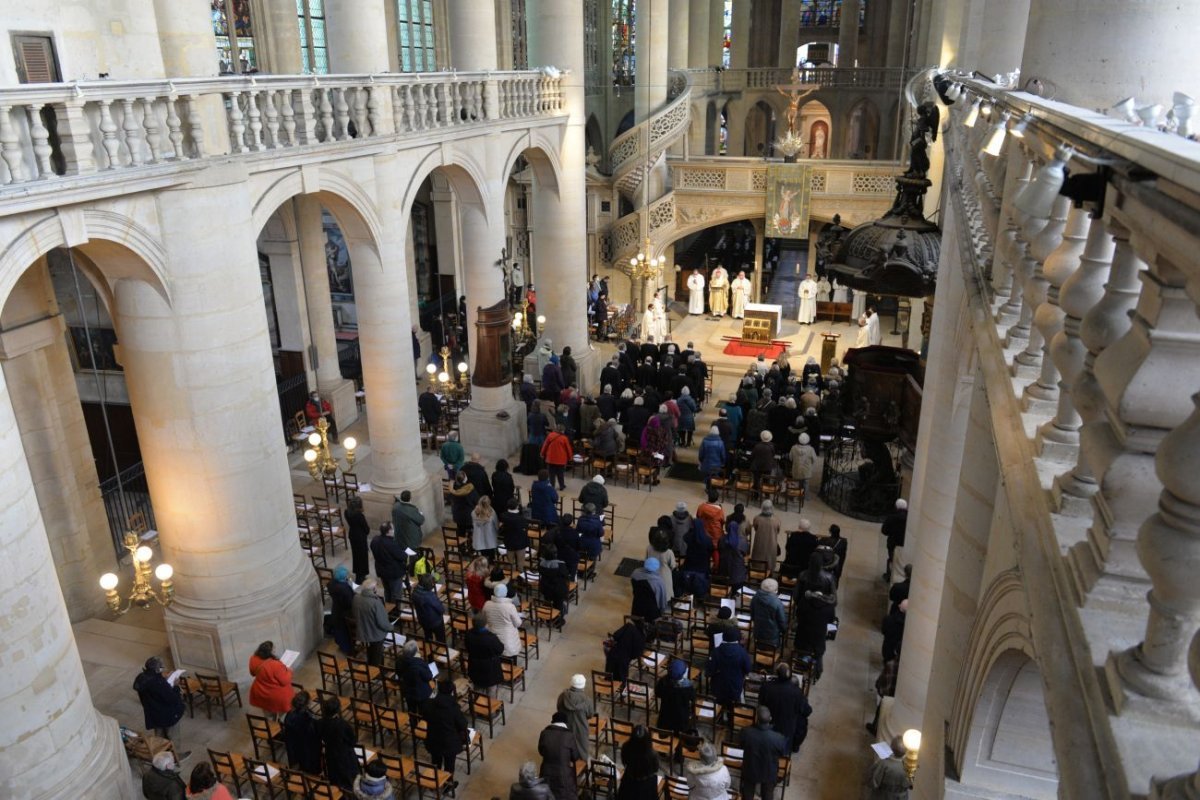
{"points": [[760, 130], [862, 130], [815, 127]]}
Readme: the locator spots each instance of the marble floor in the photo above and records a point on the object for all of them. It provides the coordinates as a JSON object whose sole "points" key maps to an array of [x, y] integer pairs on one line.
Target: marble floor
{"points": [[829, 766]]}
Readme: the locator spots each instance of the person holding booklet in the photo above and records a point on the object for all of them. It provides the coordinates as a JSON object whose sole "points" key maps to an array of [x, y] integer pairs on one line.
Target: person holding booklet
{"points": [[271, 690]]}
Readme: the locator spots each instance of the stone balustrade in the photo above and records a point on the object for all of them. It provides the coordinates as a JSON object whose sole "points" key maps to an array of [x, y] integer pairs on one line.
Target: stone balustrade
{"points": [[60, 130], [1096, 310], [767, 78]]}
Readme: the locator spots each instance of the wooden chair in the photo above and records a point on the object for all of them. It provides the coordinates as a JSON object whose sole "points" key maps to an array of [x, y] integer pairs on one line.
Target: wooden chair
{"points": [[720, 484], [333, 670], [324, 576], [663, 742], [397, 772], [529, 645], [488, 709], [362, 717], [757, 572], [230, 768], [622, 469], [365, 679], [473, 749], [544, 614], [603, 779], [220, 693], [604, 690], [429, 781], [704, 711], [743, 483], [192, 693], [513, 676], [599, 727], [264, 733], [391, 722], [294, 783], [333, 527], [263, 775], [350, 485], [621, 731], [732, 756], [638, 697], [332, 486], [771, 489], [741, 716], [646, 471], [792, 490]]}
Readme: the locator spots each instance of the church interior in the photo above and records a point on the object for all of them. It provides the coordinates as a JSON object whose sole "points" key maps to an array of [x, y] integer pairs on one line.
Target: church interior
{"points": [[924, 272]]}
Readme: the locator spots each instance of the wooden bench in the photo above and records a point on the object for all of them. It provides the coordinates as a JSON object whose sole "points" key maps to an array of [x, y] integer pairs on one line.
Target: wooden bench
{"points": [[835, 312]]}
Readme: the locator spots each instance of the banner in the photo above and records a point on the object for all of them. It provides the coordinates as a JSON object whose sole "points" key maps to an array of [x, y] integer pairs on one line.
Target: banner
{"points": [[788, 187]]}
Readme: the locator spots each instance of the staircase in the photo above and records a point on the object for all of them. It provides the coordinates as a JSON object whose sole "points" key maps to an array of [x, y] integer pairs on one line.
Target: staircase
{"points": [[638, 150]]}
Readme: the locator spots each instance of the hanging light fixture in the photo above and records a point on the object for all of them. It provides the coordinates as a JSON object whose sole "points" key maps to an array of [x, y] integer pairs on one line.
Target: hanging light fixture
{"points": [[1036, 198], [972, 113], [143, 593], [995, 137]]}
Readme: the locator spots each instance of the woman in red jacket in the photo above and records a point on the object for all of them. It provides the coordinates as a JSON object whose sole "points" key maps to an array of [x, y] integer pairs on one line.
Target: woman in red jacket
{"points": [[557, 453], [272, 688]]}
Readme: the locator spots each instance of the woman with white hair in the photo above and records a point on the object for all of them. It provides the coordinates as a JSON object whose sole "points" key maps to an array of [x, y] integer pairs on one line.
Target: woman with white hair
{"points": [[529, 786], [804, 460], [708, 778], [485, 528], [504, 620]]}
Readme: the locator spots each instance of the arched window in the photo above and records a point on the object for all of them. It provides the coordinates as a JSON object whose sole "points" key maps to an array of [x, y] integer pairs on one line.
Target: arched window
{"points": [[314, 54], [414, 20], [235, 36]]}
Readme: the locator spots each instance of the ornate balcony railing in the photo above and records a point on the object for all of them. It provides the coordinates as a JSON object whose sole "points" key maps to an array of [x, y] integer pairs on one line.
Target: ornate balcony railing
{"points": [[60, 130], [637, 150], [767, 78], [1084, 306]]}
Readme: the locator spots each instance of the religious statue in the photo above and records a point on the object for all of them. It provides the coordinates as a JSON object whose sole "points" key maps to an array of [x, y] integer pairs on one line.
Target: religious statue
{"points": [[718, 292], [823, 290], [924, 133]]}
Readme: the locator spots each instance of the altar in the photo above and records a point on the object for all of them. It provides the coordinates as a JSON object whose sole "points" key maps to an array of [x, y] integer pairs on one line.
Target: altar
{"points": [[762, 322]]}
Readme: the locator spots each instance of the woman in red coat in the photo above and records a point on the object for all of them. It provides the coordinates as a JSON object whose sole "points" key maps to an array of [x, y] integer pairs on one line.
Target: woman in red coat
{"points": [[272, 688]]}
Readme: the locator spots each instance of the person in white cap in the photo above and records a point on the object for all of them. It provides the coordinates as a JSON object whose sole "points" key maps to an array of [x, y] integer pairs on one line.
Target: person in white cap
{"points": [[893, 528], [804, 460], [762, 459], [594, 492], [575, 703]]}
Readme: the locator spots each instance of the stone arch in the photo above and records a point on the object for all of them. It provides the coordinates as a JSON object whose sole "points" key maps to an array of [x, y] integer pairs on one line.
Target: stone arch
{"points": [[862, 129], [349, 203], [719, 217], [625, 124], [465, 178], [542, 159], [999, 736], [760, 128], [815, 123]]}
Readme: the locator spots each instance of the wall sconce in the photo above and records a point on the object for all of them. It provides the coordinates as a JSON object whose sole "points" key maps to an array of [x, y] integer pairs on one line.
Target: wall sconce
{"points": [[912, 745], [142, 593]]}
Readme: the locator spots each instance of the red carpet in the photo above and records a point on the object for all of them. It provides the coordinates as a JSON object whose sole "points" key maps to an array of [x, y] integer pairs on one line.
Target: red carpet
{"points": [[752, 350]]}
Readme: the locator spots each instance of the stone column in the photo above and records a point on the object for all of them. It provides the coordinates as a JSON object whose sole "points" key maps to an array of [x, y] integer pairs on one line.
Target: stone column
{"points": [[1182, 787], [59, 456], [848, 34], [1002, 37], [1062, 38], [759, 231], [185, 36], [559, 220], [677, 41], [716, 31], [472, 34], [735, 123], [698, 34], [650, 89], [277, 35], [739, 36], [937, 467], [384, 321], [898, 20], [358, 34], [789, 34], [311, 234], [211, 437], [46, 706]]}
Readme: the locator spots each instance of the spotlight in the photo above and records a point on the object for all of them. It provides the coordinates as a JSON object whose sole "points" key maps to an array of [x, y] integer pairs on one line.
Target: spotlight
{"points": [[985, 110], [995, 139], [972, 114], [1149, 115], [1123, 109], [1018, 130], [1036, 198]]}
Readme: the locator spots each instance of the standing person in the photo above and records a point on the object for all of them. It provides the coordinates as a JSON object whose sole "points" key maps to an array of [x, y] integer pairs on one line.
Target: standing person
{"points": [[162, 781], [577, 706], [591, 531], [768, 619], [816, 608], [556, 746], [570, 370], [731, 553], [695, 285], [543, 500], [485, 531], [477, 475], [341, 763], [804, 460], [503, 489], [594, 492], [477, 572], [764, 544], [484, 652], [557, 453], [712, 516], [162, 703], [893, 631], [649, 594], [718, 291], [431, 410], [808, 300], [640, 781], [429, 609], [452, 454], [886, 778], [463, 499], [727, 670], [874, 332], [504, 620], [711, 456], [554, 580], [391, 562], [893, 527], [739, 295], [514, 532], [359, 534], [341, 608], [798, 549], [681, 528], [789, 708], [626, 644], [302, 735], [761, 750], [529, 785], [840, 546], [517, 290], [371, 620], [446, 731], [659, 548], [414, 675], [708, 778], [271, 690], [407, 521], [687, 416], [676, 693]]}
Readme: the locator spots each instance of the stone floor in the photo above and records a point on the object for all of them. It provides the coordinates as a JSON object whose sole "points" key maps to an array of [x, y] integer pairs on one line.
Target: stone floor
{"points": [[829, 766]]}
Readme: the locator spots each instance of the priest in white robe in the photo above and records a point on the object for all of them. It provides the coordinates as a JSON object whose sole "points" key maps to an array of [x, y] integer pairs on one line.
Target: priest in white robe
{"points": [[823, 290], [808, 300], [740, 294], [695, 285], [718, 292], [874, 332], [660, 316], [649, 324], [863, 332]]}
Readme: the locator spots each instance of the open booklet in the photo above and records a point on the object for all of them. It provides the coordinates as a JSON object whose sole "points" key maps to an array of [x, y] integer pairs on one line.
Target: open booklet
{"points": [[289, 657], [174, 677], [882, 749]]}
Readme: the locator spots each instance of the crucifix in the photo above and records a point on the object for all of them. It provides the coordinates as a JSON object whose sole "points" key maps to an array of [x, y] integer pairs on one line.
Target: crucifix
{"points": [[795, 92]]}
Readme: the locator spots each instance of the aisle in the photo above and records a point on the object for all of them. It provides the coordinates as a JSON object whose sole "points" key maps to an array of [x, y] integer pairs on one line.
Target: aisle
{"points": [[786, 285]]}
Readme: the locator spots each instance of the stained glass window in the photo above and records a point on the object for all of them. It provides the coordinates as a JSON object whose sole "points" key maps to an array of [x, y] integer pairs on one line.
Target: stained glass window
{"points": [[591, 44], [314, 52], [415, 23], [624, 68], [235, 52]]}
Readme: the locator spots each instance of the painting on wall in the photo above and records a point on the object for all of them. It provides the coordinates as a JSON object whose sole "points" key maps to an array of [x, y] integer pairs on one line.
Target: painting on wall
{"points": [[337, 260], [788, 188]]}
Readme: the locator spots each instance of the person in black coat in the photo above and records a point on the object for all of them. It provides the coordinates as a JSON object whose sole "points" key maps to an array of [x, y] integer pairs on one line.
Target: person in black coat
{"points": [[358, 532], [628, 642], [503, 488], [391, 563], [559, 752], [646, 373], [484, 653], [610, 378], [430, 407], [302, 735], [514, 530], [761, 751], [446, 731], [789, 707], [893, 631], [162, 703], [893, 527], [816, 608], [341, 764], [478, 477], [640, 780], [414, 676], [676, 693], [798, 549], [840, 547], [899, 591], [554, 579], [341, 608]]}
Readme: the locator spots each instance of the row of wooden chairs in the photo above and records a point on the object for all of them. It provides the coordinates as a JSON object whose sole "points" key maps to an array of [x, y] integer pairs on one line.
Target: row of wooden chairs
{"points": [[782, 492]]}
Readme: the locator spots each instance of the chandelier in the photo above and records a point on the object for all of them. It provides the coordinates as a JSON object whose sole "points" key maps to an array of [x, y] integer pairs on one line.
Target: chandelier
{"points": [[318, 456], [142, 593]]}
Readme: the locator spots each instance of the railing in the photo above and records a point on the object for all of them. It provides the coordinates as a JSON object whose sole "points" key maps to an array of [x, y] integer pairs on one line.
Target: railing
{"points": [[49, 131], [1094, 297], [293, 394], [126, 495], [768, 78], [638, 148]]}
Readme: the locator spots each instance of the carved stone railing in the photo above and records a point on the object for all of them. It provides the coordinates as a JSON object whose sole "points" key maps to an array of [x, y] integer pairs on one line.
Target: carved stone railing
{"points": [[55, 131], [1113, 293], [707, 81], [635, 152]]}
